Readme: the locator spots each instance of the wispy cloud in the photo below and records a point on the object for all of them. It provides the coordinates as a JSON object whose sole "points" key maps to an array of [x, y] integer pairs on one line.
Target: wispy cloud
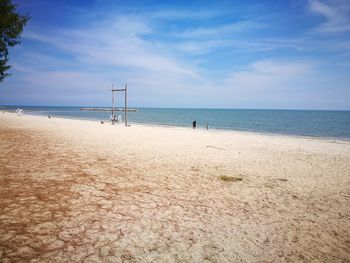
{"points": [[336, 14], [222, 31], [264, 76], [291, 84], [116, 42], [172, 14]]}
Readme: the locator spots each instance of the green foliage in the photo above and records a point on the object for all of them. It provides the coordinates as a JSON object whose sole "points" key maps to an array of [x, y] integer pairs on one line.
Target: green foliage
{"points": [[11, 27]]}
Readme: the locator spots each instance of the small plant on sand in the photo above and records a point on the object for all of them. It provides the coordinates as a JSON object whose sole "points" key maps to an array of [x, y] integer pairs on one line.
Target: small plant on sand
{"points": [[230, 178], [282, 179]]}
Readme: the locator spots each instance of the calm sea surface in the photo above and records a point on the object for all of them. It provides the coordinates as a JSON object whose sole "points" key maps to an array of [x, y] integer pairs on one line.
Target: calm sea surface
{"points": [[331, 124]]}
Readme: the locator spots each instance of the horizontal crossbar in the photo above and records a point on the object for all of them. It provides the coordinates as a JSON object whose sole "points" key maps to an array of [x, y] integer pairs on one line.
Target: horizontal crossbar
{"points": [[118, 89]]}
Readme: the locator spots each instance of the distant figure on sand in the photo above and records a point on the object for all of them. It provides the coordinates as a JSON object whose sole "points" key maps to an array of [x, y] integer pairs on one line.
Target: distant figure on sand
{"points": [[113, 118], [194, 124], [19, 112]]}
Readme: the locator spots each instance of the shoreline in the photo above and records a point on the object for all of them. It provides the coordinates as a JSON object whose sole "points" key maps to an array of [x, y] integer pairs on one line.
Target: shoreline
{"points": [[217, 130]]}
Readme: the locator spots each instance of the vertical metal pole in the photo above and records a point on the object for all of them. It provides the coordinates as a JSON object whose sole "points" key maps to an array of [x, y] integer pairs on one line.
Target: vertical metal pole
{"points": [[126, 104], [112, 104]]}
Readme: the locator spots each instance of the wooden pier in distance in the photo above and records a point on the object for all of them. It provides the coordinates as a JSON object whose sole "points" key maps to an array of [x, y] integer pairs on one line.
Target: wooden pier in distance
{"points": [[108, 109]]}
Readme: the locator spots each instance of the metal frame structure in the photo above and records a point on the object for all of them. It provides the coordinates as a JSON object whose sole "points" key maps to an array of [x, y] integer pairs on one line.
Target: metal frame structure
{"points": [[125, 90]]}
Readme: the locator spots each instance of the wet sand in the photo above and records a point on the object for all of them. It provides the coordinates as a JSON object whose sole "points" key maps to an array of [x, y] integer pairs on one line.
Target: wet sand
{"points": [[80, 191]]}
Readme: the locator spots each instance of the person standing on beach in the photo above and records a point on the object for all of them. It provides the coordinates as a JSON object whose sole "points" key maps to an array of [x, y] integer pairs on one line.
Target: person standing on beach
{"points": [[194, 124], [19, 111]]}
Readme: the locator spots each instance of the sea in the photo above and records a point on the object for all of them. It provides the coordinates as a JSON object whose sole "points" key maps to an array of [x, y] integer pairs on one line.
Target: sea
{"points": [[311, 123]]}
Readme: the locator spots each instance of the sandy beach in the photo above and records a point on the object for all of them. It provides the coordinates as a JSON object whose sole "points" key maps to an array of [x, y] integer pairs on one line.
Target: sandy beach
{"points": [[82, 191]]}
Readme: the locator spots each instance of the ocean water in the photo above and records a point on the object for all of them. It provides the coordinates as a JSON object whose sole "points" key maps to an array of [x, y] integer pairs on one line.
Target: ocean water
{"points": [[328, 124]]}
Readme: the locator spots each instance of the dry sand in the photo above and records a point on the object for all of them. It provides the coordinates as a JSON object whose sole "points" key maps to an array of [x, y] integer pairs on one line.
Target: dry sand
{"points": [[79, 191]]}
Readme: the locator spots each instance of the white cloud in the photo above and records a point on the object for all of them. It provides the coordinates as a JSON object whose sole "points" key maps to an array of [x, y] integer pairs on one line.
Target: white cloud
{"points": [[222, 31], [77, 81], [336, 13], [172, 14], [200, 46], [117, 43], [285, 84], [266, 76]]}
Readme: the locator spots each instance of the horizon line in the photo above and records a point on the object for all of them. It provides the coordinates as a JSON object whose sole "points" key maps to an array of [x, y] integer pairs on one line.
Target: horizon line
{"points": [[194, 108]]}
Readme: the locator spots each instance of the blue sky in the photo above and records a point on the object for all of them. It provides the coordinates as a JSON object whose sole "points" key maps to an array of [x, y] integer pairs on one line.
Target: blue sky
{"points": [[208, 54]]}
